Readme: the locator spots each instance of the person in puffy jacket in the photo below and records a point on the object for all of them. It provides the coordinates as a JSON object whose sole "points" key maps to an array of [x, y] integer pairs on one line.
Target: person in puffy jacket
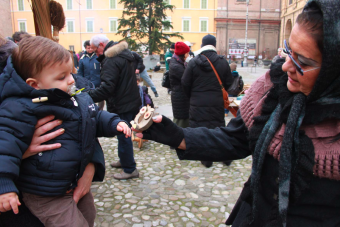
{"points": [[89, 67], [35, 84], [201, 85], [179, 101], [119, 89]]}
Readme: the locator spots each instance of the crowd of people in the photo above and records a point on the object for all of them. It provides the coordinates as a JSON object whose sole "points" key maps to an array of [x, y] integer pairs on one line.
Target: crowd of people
{"points": [[287, 121]]}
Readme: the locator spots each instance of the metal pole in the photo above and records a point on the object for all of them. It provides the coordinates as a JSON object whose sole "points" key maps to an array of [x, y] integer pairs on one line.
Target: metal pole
{"points": [[245, 63]]}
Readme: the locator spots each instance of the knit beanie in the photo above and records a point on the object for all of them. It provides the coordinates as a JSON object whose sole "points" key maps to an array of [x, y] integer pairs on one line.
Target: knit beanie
{"points": [[181, 48], [209, 40]]}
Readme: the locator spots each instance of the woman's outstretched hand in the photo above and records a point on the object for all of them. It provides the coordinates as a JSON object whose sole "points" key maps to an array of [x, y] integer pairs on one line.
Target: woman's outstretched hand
{"points": [[164, 131]]}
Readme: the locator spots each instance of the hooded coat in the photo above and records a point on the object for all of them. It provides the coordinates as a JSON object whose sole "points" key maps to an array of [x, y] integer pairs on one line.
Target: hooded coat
{"points": [[200, 84], [180, 102], [89, 68], [50, 173], [301, 137], [119, 85]]}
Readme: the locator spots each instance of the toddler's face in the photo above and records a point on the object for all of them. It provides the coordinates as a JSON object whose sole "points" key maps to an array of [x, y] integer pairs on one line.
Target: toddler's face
{"points": [[54, 76]]}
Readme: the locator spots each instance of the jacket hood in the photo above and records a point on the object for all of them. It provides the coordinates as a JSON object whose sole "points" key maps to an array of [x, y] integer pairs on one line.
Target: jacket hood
{"points": [[11, 84], [328, 81], [205, 48], [118, 49], [202, 62]]}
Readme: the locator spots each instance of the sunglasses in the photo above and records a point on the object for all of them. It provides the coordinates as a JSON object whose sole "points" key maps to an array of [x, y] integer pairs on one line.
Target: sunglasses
{"points": [[299, 69]]}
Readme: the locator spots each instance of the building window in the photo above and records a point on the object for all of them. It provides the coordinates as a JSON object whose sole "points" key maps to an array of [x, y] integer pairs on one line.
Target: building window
{"points": [[70, 26], [186, 24], [204, 4], [241, 0], [113, 25], [89, 25], [88, 4], [290, 2], [22, 25], [21, 5], [69, 4], [203, 25], [113, 4], [186, 4], [167, 29], [71, 47]]}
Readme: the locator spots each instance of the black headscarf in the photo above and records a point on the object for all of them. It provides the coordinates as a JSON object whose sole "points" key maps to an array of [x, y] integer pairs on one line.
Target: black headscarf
{"points": [[293, 109], [5, 51]]}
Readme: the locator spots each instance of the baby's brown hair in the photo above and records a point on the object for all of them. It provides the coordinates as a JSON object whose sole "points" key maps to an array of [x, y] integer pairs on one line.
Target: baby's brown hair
{"points": [[35, 53]]}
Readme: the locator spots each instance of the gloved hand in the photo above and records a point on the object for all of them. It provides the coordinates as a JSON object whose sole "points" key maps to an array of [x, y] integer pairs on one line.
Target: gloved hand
{"points": [[164, 131]]}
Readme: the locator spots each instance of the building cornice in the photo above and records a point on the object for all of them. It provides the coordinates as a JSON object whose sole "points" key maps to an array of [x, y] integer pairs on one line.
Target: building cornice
{"points": [[238, 20]]}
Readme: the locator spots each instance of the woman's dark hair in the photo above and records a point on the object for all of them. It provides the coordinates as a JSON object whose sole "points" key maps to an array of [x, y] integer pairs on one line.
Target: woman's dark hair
{"points": [[311, 19], [182, 57]]}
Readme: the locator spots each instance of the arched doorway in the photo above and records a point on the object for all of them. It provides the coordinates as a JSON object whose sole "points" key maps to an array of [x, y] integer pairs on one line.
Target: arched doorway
{"points": [[288, 29]]}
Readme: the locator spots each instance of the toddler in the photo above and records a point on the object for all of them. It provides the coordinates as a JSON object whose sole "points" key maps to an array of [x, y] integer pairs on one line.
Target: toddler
{"points": [[37, 82]]}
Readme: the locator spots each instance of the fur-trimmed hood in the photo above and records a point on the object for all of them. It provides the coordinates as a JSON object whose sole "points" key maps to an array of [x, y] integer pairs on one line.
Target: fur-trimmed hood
{"points": [[116, 49]]}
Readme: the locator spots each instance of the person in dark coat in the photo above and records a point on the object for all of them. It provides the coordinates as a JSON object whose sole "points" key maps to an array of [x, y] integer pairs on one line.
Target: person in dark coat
{"points": [[119, 89], [289, 123], [46, 87], [201, 85], [89, 67], [179, 101], [75, 60], [141, 70]]}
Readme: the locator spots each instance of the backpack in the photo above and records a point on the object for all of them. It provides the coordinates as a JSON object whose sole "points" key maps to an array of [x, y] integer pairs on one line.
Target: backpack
{"points": [[236, 87], [166, 79]]}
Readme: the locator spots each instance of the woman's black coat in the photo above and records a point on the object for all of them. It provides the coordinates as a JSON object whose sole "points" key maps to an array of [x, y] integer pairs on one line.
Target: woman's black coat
{"points": [[200, 84], [180, 102]]}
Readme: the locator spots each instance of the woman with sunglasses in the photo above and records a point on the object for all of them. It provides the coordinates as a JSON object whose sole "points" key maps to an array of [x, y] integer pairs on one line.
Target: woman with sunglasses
{"points": [[289, 122]]}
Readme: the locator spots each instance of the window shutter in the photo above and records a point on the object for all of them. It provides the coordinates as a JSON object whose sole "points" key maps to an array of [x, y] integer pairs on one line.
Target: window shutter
{"points": [[70, 26], [203, 26], [204, 4], [113, 26], [186, 4], [186, 26], [89, 4], [112, 4], [89, 26], [69, 4], [22, 27], [21, 5]]}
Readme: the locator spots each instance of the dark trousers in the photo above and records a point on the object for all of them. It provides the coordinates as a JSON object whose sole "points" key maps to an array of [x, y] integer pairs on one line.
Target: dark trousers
{"points": [[125, 146]]}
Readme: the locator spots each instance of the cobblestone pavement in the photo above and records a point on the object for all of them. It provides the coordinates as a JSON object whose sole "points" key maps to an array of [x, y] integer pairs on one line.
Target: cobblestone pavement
{"points": [[169, 192]]}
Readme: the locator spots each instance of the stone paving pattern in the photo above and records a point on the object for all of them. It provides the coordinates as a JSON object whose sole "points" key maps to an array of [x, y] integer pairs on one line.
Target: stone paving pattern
{"points": [[169, 192]]}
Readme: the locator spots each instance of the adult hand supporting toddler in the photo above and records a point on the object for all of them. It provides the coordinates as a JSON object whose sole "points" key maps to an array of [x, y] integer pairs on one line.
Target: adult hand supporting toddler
{"points": [[39, 137], [164, 131]]}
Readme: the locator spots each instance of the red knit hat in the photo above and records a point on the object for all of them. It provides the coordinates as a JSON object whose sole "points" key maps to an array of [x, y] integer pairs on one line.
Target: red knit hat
{"points": [[181, 48]]}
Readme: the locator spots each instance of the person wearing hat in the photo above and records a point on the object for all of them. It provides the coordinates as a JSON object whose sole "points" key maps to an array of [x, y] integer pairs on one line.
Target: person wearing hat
{"points": [[201, 86], [180, 102], [191, 54]]}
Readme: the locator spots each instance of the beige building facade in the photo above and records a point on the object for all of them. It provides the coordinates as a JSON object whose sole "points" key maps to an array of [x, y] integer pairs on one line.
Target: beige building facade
{"points": [[263, 27], [5, 18], [290, 10], [84, 18]]}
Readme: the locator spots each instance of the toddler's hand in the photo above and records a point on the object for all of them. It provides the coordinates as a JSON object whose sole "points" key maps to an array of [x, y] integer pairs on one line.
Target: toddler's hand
{"points": [[124, 128], [9, 201]]}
